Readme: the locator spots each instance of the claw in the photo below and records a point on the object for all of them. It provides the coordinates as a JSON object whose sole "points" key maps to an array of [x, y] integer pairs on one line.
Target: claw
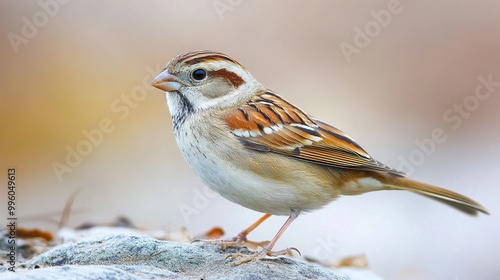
{"points": [[235, 255], [295, 249], [253, 257], [241, 239], [233, 242], [262, 254]]}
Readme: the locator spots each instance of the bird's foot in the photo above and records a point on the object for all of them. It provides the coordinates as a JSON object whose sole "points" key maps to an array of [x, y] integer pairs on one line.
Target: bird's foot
{"points": [[261, 254], [239, 240]]}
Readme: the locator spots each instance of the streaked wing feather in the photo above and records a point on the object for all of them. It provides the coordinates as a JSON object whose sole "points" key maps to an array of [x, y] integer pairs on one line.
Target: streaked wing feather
{"points": [[269, 123]]}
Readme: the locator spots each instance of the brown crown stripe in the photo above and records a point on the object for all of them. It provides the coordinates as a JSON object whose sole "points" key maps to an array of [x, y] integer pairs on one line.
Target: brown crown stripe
{"points": [[206, 56], [202, 56]]}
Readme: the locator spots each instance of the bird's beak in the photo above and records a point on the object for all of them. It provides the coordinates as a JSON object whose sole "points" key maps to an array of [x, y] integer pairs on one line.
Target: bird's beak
{"points": [[166, 82]]}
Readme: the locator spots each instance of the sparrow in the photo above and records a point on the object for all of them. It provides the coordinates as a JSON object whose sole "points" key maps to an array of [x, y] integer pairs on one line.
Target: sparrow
{"points": [[256, 149]]}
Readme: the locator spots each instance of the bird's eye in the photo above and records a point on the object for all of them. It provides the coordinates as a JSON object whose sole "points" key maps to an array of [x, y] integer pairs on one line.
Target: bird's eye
{"points": [[199, 74]]}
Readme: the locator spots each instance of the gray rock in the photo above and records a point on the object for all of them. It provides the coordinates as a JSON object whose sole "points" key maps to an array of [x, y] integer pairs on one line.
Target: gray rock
{"points": [[127, 256]]}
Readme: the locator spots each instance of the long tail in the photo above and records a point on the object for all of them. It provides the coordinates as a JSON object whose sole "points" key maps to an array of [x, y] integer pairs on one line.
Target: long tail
{"points": [[453, 199]]}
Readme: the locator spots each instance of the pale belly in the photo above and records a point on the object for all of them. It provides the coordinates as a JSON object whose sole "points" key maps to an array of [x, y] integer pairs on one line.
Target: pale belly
{"points": [[222, 168]]}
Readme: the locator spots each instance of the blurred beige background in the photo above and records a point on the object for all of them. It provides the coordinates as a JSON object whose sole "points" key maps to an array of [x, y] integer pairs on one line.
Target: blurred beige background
{"points": [[71, 69]]}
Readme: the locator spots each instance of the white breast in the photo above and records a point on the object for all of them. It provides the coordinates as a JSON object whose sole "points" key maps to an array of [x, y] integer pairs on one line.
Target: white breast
{"points": [[220, 165]]}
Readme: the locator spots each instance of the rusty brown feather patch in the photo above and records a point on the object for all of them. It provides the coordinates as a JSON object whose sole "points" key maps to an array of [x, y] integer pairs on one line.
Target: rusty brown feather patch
{"points": [[232, 77]]}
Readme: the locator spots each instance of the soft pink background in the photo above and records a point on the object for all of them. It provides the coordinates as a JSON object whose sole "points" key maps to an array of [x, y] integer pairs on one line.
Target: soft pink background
{"points": [[78, 66]]}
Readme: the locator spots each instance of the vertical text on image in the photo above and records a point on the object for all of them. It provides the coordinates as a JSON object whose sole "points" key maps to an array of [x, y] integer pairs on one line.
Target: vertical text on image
{"points": [[11, 219]]}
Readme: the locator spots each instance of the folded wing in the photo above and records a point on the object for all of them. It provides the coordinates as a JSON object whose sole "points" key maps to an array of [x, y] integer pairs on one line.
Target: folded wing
{"points": [[268, 123]]}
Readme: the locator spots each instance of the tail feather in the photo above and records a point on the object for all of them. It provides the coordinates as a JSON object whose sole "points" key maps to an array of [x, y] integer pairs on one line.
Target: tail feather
{"points": [[448, 197]]}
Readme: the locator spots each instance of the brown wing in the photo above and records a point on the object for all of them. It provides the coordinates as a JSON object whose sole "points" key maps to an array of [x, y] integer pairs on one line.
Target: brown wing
{"points": [[270, 124]]}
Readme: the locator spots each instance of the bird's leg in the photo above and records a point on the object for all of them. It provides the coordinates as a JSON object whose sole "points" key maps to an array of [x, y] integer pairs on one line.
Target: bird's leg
{"points": [[267, 250], [241, 238]]}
